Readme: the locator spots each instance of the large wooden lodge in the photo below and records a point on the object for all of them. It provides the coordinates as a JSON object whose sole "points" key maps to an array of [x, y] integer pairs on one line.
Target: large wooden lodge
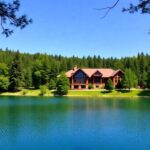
{"points": [[81, 78]]}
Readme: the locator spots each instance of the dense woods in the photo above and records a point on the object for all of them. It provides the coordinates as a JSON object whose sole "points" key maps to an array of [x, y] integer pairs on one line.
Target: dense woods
{"points": [[23, 70]]}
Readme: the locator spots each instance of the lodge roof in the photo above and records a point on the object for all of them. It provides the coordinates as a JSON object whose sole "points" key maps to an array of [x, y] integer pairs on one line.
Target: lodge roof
{"points": [[106, 72]]}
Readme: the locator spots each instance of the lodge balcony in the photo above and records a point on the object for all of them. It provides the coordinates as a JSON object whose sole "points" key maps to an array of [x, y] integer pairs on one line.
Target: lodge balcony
{"points": [[85, 85]]}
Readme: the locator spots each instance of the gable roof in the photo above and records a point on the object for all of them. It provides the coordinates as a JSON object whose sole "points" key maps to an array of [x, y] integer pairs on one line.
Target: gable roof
{"points": [[115, 72], [106, 72]]}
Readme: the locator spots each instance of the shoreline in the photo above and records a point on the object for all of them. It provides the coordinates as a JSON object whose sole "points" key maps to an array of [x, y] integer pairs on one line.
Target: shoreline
{"points": [[135, 93], [78, 96]]}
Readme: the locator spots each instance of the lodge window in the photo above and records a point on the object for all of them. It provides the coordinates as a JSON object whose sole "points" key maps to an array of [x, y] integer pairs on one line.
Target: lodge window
{"points": [[80, 78], [96, 79]]}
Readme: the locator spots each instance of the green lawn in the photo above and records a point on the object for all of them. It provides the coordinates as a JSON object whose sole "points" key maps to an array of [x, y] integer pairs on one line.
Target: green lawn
{"points": [[27, 93], [114, 93], [101, 93]]}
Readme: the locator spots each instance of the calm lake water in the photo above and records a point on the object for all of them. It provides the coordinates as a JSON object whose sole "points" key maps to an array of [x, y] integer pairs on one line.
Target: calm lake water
{"points": [[30, 123]]}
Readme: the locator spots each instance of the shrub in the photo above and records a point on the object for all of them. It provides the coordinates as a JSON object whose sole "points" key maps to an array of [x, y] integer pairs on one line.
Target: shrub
{"points": [[90, 86], [43, 90], [109, 85], [62, 85], [24, 92], [52, 84]]}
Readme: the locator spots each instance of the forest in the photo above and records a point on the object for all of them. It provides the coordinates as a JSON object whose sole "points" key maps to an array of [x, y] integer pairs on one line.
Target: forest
{"points": [[24, 70]]}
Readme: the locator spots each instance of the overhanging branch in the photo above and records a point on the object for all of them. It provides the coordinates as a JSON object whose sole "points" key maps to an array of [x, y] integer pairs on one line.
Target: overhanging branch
{"points": [[108, 9]]}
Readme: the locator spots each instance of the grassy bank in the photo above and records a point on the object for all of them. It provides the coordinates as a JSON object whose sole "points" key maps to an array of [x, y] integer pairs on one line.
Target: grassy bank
{"points": [[26, 93], [114, 93], [89, 93]]}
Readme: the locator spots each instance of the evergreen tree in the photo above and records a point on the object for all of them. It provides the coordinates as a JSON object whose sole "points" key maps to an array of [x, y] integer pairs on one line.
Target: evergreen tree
{"points": [[4, 80], [130, 79], [62, 85], [4, 83], [142, 75], [109, 85], [39, 69], [37, 79], [16, 76], [27, 78], [3, 69], [52, 84], [148, 78], [36, 74], [45, 73], [63, 65]]}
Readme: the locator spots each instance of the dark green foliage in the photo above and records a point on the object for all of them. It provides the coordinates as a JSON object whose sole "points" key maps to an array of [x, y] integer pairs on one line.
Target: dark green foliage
{"points": [[36, 79], [62, 85], [3, 69], [16, 74], [52, 84], [109, 85], [119, 85], [36, 74], [8, 16], [4, 83], [40, 69], [148, 78], [27, 78], [4, 79], [130, 79], [143, 7]]}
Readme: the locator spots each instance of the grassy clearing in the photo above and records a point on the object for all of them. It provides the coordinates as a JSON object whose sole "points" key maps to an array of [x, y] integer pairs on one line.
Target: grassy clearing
{"points": [[26, 93], [114, 93], [89, 93]]}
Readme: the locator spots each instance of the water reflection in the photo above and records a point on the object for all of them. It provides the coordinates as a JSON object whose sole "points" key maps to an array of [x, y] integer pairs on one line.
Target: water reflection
{"points": [[45, 122]]}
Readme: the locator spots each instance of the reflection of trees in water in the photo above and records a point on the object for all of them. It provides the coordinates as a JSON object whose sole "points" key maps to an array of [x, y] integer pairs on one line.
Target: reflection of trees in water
{"points": [[18, 115], [35, 115]]}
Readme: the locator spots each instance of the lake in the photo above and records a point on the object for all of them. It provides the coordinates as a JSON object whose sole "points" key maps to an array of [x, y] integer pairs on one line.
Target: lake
{"points": [[42, 123]]}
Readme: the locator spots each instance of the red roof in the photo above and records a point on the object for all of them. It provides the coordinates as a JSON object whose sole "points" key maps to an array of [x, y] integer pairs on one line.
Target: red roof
{"points": [[106, 73]]}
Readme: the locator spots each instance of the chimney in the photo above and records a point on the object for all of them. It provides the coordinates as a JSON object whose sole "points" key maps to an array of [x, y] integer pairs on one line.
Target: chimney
{"points": [[75, 68]]}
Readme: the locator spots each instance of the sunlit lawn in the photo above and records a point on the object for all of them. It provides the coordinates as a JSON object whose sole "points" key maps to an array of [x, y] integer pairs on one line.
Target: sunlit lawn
{"points": [[114, 93], [102, 93]]}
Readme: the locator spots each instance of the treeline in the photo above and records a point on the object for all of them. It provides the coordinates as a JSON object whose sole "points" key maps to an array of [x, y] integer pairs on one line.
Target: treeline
{"points": [[32, 70]]}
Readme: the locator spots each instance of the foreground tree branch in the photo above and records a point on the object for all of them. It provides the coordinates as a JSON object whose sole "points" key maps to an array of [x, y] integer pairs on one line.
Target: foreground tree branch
{"points": [[143, 7], [9, 18], [108, 9]]}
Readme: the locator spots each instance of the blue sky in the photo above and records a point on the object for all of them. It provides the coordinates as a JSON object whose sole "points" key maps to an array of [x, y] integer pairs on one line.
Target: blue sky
{"points": [[74, 27]]}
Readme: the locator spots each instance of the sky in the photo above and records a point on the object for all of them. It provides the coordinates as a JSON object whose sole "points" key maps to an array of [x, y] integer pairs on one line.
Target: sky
{"points": [[75, 27]]}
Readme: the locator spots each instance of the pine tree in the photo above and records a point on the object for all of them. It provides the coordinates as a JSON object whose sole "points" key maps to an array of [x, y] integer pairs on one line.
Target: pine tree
{"points": [[62, 85], [130, 79], [16, 76], [109, 85], [27, 78], [148, 77]]}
